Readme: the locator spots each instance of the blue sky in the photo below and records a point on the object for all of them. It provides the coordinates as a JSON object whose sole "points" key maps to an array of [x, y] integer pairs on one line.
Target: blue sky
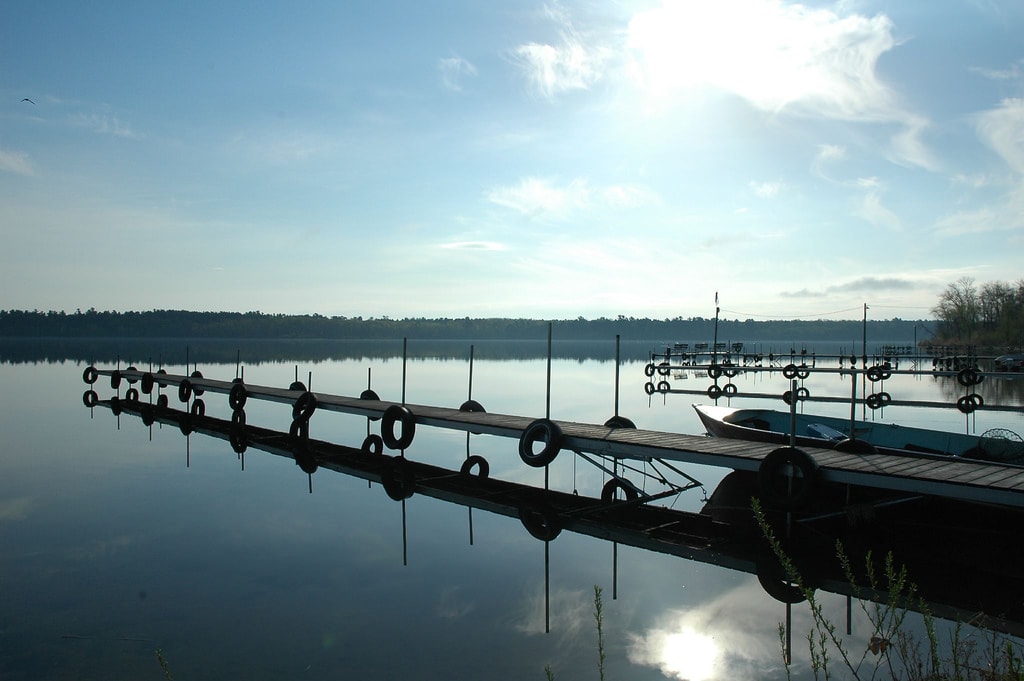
{"points": [[522, 159]]}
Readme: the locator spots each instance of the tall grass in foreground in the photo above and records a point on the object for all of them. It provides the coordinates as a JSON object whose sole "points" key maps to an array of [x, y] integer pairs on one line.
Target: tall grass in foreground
{"points": [[895, 652], [599, 622]]}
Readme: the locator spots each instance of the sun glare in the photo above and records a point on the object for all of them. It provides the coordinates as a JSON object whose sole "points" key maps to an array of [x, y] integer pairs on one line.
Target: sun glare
{"points": [[689, 655], [761, 50]]}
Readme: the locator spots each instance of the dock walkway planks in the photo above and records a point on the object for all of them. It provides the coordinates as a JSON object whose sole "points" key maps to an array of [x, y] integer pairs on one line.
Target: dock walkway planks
{"points": [[965, 479]]}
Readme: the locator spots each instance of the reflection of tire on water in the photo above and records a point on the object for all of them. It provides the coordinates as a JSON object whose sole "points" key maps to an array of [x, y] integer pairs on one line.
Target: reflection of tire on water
{"points": [[540, 520], [478, 462], [788, 478], [777, 583], [611, 489], [399, 482]]}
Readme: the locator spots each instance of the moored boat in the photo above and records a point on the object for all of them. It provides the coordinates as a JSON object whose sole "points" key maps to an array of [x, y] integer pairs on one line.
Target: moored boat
{"points": [[767, 425]]}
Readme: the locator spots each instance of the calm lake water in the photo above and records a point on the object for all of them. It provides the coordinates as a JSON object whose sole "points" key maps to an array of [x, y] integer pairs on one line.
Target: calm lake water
{"points": [[117, 539]]}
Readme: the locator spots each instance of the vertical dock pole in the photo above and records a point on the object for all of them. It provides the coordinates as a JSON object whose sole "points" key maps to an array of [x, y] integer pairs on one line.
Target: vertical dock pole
{"points": [[405, 359], [617, 355]]}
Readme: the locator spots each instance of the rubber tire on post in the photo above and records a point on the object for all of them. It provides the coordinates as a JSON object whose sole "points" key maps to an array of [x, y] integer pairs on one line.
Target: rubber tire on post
{"points": [[147, 383], [393, 415], [714, 392], [472, 406], [132, 395], [297, 385], [619, 422], [398, 481], [237, 397], [729, 389], [649, 388], [789, 371], [664, 386], [854, 446], [372, 445], [615, 484], [541, 430], [803, 372], [805, 484], [197, 374], [198, 408], [370, 395], [162, 402], [483, 468], [664, 369], [649, 370], [146, 414], [115, 379], [115, 405], [162, 372], [184, 390], [540, 521], [238, 417], [90, 375], [90, 398], [714, 371], [967, 377]]}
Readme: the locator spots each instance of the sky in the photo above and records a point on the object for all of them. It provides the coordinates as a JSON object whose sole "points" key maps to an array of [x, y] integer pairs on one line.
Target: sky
{"points": [[547, 160]]}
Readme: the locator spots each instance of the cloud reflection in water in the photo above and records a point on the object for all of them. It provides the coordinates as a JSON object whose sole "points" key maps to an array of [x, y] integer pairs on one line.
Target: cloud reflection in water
{"points": [[733, 636]]}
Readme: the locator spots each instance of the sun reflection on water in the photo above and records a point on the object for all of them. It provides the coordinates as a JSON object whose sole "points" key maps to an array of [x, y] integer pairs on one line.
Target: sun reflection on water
{"points": [[688, 654]]}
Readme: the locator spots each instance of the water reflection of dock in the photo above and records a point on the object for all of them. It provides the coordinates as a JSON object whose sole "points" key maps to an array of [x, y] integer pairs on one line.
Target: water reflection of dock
{"points": [[717, 535]]}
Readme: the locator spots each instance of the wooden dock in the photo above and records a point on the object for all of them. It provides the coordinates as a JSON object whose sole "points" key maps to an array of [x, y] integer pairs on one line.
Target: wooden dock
{"points": [[953, 478]]}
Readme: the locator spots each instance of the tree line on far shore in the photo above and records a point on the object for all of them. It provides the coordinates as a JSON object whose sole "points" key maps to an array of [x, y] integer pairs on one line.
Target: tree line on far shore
{"points": [[991, 314], [257, 325]]}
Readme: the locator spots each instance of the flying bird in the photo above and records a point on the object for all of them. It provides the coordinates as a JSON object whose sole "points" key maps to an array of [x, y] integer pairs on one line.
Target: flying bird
{"points": [[28, 100]]}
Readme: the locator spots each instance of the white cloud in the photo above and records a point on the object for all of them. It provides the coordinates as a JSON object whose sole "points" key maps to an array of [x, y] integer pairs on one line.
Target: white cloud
{"points": [[16, 162], [872, 210], [778, 57], [627, 196], [473, 246], [454, 70], [104, 124], [1011, 73], [827, 153], [1002, 129], [766, 190], [573, 64], [545, 199], [540, 198]]}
